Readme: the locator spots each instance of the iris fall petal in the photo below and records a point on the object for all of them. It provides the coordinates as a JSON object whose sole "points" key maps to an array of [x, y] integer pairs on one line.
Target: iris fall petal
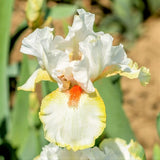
{"points": [[73, 126]]}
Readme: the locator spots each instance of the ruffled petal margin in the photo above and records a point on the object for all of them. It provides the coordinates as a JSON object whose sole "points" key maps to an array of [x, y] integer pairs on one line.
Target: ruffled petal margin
{"points": [[110, 149], [130, 71], [51, 151], [118, 149], [75, 128]]}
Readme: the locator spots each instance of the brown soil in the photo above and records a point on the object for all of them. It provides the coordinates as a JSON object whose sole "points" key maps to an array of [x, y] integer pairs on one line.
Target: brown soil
{"points": [[141, 104]]}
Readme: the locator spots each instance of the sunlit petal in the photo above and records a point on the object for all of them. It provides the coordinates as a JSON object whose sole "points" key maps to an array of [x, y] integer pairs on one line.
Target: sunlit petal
{"points": [[83, 57], [74, 124], [81, 74], [120, 64], [110, 149], [115, 149], [82, 26], [130, 71], [53, 152], [36, 77], [32, 43], [98, 51]]}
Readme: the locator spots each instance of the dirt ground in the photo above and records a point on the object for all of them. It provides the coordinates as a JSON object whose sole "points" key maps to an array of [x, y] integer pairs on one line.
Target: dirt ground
{"points": [[141, 104]]}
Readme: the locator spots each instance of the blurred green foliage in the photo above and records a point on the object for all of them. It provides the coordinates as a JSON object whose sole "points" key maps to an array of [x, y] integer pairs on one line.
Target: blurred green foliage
{"points": [[158, 124], [156, 152], [62, 11], [19, 124], [5, 17], [126, 17], [21, 133], [154, 5], [156, 149]]}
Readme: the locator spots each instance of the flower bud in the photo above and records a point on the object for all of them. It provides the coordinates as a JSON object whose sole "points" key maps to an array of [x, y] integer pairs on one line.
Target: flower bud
{"points": [[35, 12]]}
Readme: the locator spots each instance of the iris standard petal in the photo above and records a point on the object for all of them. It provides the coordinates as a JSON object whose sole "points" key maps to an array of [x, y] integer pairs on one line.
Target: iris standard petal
{"points": [[97, 49], [82, 26], [36, 77], [106, 60], [80, 71], [73, 120], [31, 44], [124, 66]]}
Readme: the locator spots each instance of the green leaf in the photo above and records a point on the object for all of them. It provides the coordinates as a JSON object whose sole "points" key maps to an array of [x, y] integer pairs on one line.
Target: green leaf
{"points": [[42, 140], [156, 152], [154, 5], [19, 127], [5, 17], [31, 147], [62, 11], [2, 158], [65, 27], [121, 8], [48, 87], [129, 14], [158, 124], [117, 122], [13, 70], [17, 33], [33, 65], [33, 118], [111, 24], [25, 133]]}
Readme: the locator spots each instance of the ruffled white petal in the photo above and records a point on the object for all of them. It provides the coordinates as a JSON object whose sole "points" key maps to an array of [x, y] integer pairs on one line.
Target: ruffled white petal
{"points": [[58, 62], [81, 74], [73, 127], [36, 77], [82, 26], [82, 57], [107, 60], [110, 149], [53, 152], [116, 149], [125, 67], [94, 154], [49, 152], [31, 44], [98, 51]]}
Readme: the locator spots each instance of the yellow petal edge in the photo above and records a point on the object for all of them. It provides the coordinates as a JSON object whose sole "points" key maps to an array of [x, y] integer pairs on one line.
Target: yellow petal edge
{"points": [[143, 73], [36, 77], [91, 99]]}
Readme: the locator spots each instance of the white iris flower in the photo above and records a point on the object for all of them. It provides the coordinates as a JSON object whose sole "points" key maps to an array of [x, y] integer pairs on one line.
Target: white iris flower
{"points": [[74, 115], [110, 149]]}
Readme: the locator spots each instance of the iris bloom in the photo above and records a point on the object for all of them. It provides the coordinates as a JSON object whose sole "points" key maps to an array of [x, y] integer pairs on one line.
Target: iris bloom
{"points": [[110, 149], [74, 115]]}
